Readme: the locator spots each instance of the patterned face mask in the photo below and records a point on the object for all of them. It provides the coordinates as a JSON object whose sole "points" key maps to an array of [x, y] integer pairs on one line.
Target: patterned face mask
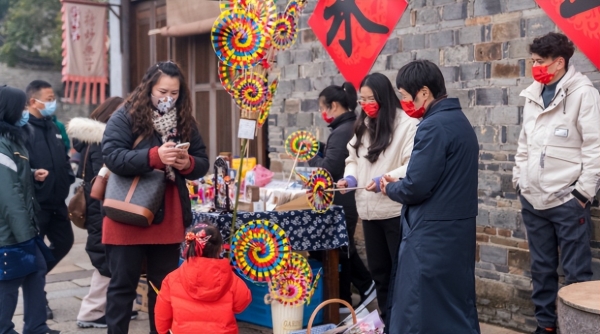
{"points": [[163, 104]]}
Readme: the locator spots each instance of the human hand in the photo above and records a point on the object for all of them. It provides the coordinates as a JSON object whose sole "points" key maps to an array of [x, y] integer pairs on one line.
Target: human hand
{"points": [[40, 175], [372, 187], [342, 184], [168, 153], [580, 203], [182, 163], [385, 180]]}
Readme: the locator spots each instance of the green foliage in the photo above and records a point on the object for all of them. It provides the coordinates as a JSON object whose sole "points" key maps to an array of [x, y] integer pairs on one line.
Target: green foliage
{"points": [[31, 32]]}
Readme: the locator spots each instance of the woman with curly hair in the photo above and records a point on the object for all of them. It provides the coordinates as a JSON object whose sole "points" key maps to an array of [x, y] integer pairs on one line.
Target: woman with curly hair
{"points": [[158, 115]]}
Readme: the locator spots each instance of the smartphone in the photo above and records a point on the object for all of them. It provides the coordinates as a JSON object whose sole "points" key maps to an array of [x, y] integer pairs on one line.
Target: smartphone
{"points": [[183, 146]]}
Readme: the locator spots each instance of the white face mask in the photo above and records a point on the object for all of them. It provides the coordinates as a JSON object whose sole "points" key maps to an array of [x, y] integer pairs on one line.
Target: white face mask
{"points": [[163, 104]]}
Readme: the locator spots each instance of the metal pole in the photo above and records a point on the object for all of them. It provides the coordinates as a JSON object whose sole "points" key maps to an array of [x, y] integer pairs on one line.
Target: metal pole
{"points": [[125, 40]]}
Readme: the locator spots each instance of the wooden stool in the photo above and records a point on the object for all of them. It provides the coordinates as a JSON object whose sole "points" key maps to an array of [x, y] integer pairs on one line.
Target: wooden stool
{"points": [[579, 308]]}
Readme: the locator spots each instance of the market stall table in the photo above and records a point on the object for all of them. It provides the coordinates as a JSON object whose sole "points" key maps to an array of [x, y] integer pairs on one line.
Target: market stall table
{"points": [[307, 231]]}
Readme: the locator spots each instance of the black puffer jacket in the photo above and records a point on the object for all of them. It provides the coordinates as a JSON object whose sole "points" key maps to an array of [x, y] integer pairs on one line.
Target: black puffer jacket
{"points": [[47, 151], [121, 159], [335, 154], [87, 135]]}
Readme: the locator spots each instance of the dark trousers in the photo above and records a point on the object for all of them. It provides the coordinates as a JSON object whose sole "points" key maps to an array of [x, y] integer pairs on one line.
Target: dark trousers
{"points": [[125, 263], [382, 239], [565, 227], [55, 224], [353, 270], [33, 296]]}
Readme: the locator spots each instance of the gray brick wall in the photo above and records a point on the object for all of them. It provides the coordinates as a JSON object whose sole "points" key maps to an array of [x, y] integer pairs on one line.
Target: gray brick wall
{"points": [[481, 47], [20, 78]]}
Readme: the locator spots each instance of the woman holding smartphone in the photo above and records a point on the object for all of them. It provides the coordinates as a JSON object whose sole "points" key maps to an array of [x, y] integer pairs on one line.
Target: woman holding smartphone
{"points": [[160, 112]]}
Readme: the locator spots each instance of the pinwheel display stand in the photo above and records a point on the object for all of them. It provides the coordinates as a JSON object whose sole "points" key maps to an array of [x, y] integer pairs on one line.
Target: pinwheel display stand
{"points": [[307, 231]]}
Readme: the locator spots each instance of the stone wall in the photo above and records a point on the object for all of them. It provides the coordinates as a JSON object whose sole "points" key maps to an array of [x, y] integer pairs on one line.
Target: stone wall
{"points": [[481, 47], [20, 78]]}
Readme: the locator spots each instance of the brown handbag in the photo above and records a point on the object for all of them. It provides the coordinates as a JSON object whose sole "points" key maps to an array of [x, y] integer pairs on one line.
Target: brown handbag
{"points": [[134, 200], [99, 182], [77, 205]]}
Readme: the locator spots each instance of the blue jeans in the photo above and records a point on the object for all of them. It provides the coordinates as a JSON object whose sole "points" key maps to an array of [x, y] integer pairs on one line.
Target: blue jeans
{"points": [[566, 227], [33, 300]]}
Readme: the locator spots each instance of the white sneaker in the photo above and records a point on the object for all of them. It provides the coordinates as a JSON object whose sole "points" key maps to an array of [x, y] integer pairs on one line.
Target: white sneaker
{"points": [[368, 296]]}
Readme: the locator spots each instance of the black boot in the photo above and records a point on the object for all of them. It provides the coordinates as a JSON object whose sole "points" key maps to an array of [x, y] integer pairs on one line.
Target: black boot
{"points": [[541, 330], [49, 314]]}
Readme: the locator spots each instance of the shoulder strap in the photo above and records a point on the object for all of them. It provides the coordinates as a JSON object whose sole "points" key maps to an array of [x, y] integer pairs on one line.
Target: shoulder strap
{"points": [[85, 158]]}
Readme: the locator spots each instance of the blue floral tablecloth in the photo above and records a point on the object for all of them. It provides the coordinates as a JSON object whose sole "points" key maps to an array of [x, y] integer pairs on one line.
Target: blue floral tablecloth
{"points": [[306, 229]]}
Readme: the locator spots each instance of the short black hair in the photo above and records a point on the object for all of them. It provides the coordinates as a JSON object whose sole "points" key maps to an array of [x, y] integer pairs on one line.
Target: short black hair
{"points": [[553, 45], [417, 74], [12, 104], [345, 95], [35, 87]]}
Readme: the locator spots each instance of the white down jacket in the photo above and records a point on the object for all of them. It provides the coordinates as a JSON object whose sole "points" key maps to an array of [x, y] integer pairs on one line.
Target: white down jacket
{"points": [[559, 146], [394, 161]]}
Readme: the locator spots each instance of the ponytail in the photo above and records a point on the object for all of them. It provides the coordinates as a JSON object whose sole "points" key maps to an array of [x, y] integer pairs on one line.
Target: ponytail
{"points": [[345, 95], [203, 240]]}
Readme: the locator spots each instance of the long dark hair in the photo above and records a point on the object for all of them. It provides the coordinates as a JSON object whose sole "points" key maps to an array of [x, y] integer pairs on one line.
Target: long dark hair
{"points": [[345, 95], [381, 129], [106, 109], [203, 240], [140, 106]]}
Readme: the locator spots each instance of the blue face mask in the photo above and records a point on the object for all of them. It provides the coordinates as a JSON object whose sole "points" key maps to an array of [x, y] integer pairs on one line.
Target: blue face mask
{"points": [[24, 119], [49, 108]]}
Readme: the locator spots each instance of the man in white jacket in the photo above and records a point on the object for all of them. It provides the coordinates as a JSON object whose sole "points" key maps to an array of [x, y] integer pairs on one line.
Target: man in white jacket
{"points": [[557, 171]]}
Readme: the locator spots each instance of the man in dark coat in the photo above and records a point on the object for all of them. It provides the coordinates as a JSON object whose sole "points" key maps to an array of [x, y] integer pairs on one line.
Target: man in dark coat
{"points": [[47, 151], [434, 288]]}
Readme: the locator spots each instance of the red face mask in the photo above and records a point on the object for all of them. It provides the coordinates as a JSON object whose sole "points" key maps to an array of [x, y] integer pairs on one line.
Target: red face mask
{"points": [[409, 109], [371, 109], [541, 75], [326, 118]]}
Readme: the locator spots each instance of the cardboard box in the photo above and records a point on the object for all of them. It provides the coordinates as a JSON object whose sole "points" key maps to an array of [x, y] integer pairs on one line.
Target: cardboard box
{"points": [[300, 203], [142, 294]]}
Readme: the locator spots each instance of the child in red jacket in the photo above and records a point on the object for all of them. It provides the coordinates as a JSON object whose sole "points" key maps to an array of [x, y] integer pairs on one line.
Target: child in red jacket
{"points": [[203, 294]]}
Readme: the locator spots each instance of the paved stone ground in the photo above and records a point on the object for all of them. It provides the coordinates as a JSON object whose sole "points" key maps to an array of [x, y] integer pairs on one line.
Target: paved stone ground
{"points": [[69, 282]]}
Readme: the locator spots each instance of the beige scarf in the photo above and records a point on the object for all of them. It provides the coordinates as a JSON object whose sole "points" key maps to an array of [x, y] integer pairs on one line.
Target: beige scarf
{"points": [[166, 125]]}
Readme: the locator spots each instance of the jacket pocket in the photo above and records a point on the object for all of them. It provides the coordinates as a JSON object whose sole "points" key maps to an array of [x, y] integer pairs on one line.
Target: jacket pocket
{"points": [[561, 167]]}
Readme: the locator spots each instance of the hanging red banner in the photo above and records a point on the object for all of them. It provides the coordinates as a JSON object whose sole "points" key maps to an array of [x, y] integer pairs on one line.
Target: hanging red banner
{"points": [[580, 21], [354, 31]]}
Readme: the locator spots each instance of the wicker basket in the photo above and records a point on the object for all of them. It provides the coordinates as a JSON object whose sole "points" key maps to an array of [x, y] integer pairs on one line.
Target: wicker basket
{"points": [[325, 303]]}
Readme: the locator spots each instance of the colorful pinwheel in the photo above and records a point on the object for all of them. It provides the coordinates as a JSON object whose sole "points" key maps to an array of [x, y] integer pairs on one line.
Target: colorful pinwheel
{"points": [[294, 284], [261, 250], [239, 38], [263, 116], [251, 91], [286, 31], [228, 75], [319, 199], [303, 145]]}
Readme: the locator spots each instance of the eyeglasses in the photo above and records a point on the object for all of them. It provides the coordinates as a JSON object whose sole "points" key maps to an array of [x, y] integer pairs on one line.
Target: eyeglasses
{"points": [[361, 101]]}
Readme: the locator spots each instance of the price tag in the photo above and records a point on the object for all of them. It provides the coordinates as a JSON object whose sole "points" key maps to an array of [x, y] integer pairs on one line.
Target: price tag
{"points": [[246, 129]]}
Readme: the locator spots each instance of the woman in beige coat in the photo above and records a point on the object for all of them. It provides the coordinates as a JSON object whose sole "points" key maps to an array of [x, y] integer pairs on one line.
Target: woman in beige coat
{"points": [[382, 144]]}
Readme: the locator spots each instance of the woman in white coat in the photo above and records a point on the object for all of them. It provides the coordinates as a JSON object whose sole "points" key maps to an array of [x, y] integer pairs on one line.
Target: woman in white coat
{"points": [[382, 144]]}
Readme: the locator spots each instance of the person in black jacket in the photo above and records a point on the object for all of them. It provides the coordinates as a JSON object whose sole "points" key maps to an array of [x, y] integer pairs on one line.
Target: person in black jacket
{"points": [[337, 105], [22, 257], [159, 112], [47, 151], [87, 136], [434, 288]]}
